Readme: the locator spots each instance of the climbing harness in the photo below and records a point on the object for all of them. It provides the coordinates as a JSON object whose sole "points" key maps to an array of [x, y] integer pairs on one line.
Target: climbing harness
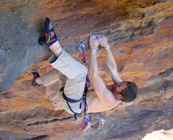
{"points": [[86, 122]]}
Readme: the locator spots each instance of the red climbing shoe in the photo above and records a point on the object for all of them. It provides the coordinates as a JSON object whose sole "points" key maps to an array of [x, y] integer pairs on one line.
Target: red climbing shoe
{"points": [[50, 36], [35, 75]]}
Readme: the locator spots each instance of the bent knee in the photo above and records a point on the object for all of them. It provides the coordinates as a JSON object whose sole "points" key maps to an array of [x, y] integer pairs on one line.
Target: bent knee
{"points": [[82, 73]]}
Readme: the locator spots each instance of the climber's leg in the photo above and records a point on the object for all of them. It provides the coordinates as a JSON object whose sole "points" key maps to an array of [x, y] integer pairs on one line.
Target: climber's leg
{"points": [[50, 78], [61, 60], [68, 66], [75, 73]]}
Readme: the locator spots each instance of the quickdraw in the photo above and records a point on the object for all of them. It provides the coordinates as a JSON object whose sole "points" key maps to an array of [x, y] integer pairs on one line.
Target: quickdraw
{"points": [[81, 49], [86, 122]]}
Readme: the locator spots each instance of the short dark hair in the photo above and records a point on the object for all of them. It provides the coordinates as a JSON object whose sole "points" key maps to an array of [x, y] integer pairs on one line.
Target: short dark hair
{"points": [[129, 93]]}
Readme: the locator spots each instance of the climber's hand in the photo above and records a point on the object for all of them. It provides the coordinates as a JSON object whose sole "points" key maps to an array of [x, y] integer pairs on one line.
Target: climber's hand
{"points": [[103, 41], [94, 43]]}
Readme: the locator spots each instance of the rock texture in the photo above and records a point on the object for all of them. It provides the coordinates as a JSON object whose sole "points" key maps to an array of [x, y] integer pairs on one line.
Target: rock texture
{"points": [[161, 134], [140, 34]]}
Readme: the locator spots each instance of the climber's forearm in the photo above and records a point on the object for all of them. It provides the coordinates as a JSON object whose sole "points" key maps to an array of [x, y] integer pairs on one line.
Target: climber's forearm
{"points": [[93, 65], [110, 61]]}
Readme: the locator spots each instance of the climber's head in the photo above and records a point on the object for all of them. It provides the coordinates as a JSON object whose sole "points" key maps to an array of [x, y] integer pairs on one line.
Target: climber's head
{"points": [[126, 90]]}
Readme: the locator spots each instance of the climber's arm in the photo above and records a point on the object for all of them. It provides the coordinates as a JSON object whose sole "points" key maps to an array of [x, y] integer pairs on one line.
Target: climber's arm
{"points": [[110, 61], [105, 99]]}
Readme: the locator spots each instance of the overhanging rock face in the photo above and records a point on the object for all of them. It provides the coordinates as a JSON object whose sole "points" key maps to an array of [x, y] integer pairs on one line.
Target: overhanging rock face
{"points": [[140, 34]]}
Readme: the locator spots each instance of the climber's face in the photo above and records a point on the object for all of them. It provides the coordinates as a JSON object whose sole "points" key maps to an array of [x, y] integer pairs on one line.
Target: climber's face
{"points": [[118, 88]]}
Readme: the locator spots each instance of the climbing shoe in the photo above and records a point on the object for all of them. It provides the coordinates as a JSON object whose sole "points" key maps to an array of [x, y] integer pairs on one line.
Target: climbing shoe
{"points": [[35, 75], [42, 41], [50, 35]]}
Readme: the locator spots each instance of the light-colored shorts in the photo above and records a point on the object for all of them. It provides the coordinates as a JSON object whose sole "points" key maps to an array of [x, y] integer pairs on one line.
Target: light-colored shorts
{"points": [[72, 75]]}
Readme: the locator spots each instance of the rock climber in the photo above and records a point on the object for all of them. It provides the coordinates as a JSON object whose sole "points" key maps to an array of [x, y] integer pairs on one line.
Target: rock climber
{"points": [[72, 76]]}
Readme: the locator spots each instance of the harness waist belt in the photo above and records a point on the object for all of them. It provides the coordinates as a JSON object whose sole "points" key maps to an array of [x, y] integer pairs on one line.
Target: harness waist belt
{"points": [[70, 100]]}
